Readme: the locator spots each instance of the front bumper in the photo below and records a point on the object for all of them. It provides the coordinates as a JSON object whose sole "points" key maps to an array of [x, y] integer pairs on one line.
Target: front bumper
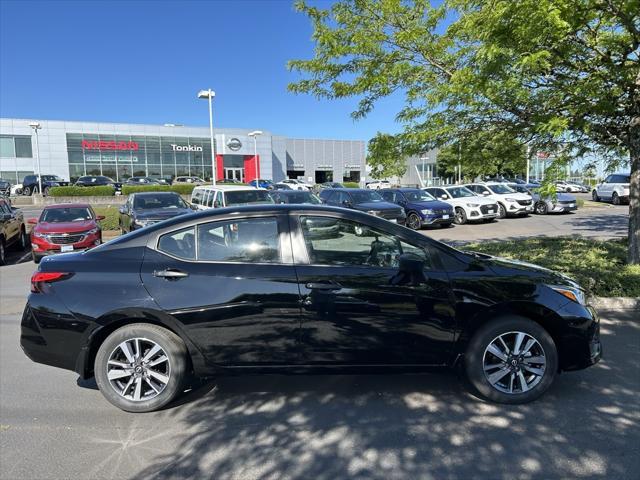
{"points": [[517, 209], [579, 346], [562, 208], [41, 248], [484, 212], [437, 219]]}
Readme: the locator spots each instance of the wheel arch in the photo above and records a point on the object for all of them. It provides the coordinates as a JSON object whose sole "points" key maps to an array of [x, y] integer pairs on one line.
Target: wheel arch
{"points": [[112, 321], [543, 316]]}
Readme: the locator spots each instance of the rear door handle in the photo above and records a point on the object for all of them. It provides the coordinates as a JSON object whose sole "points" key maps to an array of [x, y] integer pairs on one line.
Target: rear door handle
{"points": [[170, 274], [323, 286]]}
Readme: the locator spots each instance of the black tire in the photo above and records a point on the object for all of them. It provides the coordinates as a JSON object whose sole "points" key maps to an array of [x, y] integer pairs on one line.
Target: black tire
{"points": [[594, 196], [26, 191], [413, 221], [3, 252], [474, 358], [46, 191], [541, 208], [461, 216], [36, 259], [502, 211], [24, 240], [173, 347], [615, 199]]}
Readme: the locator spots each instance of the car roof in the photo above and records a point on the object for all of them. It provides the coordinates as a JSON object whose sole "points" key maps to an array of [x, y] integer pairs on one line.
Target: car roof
{"points": [[148, 194], [225, 188], [67, 205]]}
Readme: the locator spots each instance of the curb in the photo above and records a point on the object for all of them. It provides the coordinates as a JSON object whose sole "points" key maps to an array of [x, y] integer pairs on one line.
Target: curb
{"points": [[615, 303]]}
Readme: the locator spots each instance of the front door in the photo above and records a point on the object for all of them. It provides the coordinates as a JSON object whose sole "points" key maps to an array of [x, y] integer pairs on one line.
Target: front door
{"points": [[232, 284], [234, 174], [357, 308]]}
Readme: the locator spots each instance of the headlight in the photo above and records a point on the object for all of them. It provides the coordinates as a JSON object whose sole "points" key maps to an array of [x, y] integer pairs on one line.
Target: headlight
{"points": [[427, 211], [372, 212], [39, 235], [574, 294], [473, 205], [93, 231], [142, 223], [511, 199]]}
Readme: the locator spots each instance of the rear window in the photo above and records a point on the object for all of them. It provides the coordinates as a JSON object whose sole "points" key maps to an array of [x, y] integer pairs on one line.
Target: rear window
{"points": [[245, 197]]}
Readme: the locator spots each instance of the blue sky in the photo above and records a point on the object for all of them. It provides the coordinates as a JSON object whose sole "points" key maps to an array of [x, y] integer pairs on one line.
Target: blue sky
{"points": [[144, 61]]}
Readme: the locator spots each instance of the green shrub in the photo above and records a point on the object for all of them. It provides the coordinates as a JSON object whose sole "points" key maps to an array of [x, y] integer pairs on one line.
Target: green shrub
{"points": [[127, 189], [580, 202], [351, 184], [111, 214], [183, 188], [72, 191]]}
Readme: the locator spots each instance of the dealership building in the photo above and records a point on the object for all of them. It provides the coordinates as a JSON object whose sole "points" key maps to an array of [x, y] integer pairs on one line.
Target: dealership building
{"points": [[73, 149]]}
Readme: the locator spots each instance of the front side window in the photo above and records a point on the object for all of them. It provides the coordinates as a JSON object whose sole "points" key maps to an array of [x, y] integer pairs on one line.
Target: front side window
{"points": [[179, 244], [253, 240], [338, 242], [418, 196]]}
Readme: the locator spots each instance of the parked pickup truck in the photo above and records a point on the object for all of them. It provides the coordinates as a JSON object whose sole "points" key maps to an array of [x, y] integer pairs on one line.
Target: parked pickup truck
{"points": [[12, 229]]}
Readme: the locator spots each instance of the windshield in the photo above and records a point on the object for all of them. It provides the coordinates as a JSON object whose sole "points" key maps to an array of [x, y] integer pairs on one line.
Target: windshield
{"points": [[300, 197], [363, 196], [247, 196], [71, 214], [148, 202], [460, 192], [501, 189], [418, 196], [51, 178]]}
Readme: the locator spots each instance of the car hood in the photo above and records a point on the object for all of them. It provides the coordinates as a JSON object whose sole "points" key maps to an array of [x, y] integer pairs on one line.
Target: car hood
{"points": [[431, 204], [64, 227], [508, 267], [376, 206], [516, 195], [160, 213]]}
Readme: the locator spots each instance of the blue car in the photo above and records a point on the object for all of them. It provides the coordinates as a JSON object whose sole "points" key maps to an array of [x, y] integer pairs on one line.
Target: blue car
{"points": [[262, 183], [420, 207]]}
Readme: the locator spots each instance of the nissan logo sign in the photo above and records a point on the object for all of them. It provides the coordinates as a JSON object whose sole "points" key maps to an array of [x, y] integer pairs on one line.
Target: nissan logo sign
{"points": [[234, 144]]}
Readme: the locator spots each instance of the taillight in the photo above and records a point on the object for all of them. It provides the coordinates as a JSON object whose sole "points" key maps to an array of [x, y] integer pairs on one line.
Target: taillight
{"points": [[38, 278]]}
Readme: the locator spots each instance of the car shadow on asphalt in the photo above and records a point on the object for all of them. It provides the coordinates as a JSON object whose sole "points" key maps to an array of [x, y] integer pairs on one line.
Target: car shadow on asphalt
{"points": [[409, 426]]}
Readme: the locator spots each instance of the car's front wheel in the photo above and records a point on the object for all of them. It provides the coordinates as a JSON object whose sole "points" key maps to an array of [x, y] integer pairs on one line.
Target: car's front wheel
{"points": [[461, 216], [615, 199], [141, 367], [541, 208], [502, 211], [26, 191], [594, 196], [511, 360], [413, 221]]}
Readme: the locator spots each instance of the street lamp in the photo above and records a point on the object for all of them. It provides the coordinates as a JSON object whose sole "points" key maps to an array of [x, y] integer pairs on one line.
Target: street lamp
{"points": [[209, 94], [36, 126], [255, 135], [423, 158]]}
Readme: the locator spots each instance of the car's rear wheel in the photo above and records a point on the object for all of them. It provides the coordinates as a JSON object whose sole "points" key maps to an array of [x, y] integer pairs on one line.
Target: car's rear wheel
{"points": [[24, 239], [541, 208], [413, 221], [511, 360], [461, 216], [141, 367], [502, 211], [594, 196], [615, 199], [2, 252], [26, 191]]}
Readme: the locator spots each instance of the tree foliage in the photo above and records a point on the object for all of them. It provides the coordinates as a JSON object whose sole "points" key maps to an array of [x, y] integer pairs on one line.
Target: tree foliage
{"points": [[385, 157], [553, 73], [486, 153]]}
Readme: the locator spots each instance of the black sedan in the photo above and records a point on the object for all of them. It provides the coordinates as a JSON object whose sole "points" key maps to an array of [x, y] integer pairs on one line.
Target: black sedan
{"points": [[146, 208], [98, 181], [274, 288]]}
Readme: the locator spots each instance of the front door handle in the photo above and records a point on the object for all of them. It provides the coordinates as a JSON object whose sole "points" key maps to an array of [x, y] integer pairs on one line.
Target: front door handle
{"points": [[323, 286], [170, 274]]}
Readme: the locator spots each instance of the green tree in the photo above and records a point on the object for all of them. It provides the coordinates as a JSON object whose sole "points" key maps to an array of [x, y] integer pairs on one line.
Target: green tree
{"points": [[554, 73], [385, 157], [484, 153]]}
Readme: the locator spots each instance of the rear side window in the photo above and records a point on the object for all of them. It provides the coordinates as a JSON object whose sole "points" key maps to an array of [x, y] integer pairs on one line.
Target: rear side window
{"points": [[179, 244], [252, 240], [621, 179], [197, 197]]}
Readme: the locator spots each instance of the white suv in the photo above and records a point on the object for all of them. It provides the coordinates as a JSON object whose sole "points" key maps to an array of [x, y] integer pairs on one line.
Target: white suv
{"points": [[378, 184], [296, 184], [209, 196], [509, 201], [467, 205], [614, 188]]}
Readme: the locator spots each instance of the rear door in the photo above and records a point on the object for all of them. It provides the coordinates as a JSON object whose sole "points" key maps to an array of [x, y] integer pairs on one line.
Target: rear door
{"points": [[232, 284]]}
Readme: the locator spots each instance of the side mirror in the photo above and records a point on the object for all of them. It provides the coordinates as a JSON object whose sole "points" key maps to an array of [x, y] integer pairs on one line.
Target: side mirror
{"points": [[486, 194], [100, 217], [443, 197], [32, 221], [346, 203]]}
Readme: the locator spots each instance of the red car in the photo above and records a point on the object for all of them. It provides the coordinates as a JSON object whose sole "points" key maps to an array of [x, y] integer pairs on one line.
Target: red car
{"points": [[64, 228]]}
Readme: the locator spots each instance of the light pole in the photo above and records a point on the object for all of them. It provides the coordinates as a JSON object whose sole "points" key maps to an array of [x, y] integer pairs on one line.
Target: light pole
{"points": [[255, 135], [423, 158], [36, 126], [209, 94]]}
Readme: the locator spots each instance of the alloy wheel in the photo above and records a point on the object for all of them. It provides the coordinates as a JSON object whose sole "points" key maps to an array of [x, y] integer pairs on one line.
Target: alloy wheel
{"points": [[26, 191], [413, 221], [460, 217], [514, 362], [138, 369], [615, 199], [502, 212], [594, 196], [541, 208]]}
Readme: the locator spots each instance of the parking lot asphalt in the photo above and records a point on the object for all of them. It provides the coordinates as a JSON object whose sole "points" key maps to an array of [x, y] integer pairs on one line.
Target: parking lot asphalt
{"points": [[323, 427]]}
